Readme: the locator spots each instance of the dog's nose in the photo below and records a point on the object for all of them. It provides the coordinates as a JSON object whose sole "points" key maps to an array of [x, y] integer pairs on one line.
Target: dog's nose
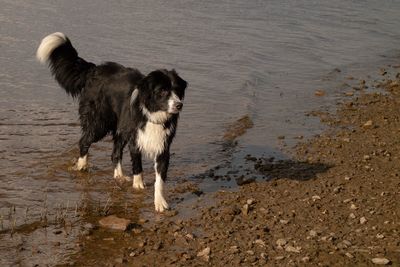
{"points": [[179, 105]]}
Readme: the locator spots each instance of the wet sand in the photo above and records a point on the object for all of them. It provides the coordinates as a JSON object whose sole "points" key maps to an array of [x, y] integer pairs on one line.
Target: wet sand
{"points": [[334, 203]]}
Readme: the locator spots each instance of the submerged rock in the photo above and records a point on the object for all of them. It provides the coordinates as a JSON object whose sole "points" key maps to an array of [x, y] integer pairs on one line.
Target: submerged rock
{"points": [[115, 223]]}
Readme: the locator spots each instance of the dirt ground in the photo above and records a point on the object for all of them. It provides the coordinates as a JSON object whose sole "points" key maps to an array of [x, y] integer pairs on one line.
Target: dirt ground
{"points": [[335, 203]]}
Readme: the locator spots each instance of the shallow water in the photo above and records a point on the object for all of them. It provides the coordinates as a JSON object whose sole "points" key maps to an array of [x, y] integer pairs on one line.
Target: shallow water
{"points": [[264, 59]]}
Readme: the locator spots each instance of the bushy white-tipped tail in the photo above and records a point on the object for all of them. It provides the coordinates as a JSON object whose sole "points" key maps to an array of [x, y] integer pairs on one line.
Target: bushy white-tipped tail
{"points": [[48, 44]]}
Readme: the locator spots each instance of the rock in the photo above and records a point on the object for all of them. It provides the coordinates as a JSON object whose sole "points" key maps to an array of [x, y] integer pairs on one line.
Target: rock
{"points": [[316, 198], [284, 221], [264, 256], [363, 220], [115, 223], [234, 249], [319, 92], [380, 236], [344, 244], [250, 252], [245, 209], [205, 254], [380, 261], [368, 124], [259, 242], [305, 259], [190, 236], [89, 226], [281, 242], [250, 201], [242, 181], [337, 189], [278, 258], [57, 232], [120, 260], [313, 233], [353, 206], [352, 216], [349, 255], [293, 249]]}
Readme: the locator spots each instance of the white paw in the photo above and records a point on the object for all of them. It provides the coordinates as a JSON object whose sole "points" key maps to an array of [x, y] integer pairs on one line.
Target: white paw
{"points": [[160, 204], [81, 164], [138, 182], [138, 185]]}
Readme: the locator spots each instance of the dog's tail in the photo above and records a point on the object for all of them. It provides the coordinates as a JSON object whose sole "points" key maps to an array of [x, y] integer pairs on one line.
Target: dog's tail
{"points": [[69, 70]]}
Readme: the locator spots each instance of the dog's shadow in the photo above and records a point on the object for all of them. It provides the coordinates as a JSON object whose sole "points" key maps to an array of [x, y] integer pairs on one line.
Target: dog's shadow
{"points": [[289, 169]]}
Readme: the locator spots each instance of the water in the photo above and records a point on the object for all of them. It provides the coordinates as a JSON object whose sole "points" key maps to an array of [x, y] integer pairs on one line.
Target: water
{"points": [[264, 59]]}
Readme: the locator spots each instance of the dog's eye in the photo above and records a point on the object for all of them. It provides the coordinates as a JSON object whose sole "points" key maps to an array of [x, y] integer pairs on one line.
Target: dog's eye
{"points": [[164, 93]]}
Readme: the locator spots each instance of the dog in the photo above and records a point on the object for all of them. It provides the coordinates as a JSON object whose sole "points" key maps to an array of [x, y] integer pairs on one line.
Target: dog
{"points": [[140, 111]]}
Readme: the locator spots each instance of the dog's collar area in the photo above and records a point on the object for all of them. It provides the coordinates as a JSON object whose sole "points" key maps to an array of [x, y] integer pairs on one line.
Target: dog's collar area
{"points": [[158, 117]]}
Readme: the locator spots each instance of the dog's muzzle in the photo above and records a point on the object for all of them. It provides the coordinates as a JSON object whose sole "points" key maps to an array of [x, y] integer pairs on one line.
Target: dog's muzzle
{"points": [[175, 107], [174, 104]]}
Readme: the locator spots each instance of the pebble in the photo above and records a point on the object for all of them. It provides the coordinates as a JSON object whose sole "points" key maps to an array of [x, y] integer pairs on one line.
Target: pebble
{"points": [[259, 242], [245, 209], [234, 249], [349, 255], [250, 201], [316, 198], [190, 236], [368, 124], [337, 189], [278, 258], [380, 261], [250, 252], [380, 236], [205, 254], [305, 259], [319, 92], [313, 233], [89, 226], [344, 244], [293, 249], [120, 260], [281, 242], [352, 216], [367, 157], [353, 206], [363, 220]]}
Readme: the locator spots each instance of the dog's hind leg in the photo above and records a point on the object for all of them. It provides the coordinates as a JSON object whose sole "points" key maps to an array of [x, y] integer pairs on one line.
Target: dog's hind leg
{"points": [[84, 145], [137, 169], [116, 157], [161, 168]]}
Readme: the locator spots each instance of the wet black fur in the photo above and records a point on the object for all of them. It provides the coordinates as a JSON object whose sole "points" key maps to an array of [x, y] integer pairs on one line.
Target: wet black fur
{"points": [[104, 92]]}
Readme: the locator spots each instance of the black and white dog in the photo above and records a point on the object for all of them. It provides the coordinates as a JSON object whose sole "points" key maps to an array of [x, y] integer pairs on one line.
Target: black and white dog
{"points": [[138, 110]]}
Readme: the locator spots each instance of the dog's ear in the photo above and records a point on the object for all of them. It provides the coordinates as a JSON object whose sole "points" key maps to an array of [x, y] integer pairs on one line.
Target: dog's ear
{"points": [[179, 84]]}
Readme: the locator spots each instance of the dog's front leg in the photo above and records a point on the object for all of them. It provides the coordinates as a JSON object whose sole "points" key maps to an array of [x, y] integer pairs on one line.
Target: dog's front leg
{"points": [[161, 168], [116, 157], [137, 170]]}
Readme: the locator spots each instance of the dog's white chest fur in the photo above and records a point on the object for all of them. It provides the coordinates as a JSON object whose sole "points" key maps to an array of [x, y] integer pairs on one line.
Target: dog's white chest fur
{"points": [[151, 140]]}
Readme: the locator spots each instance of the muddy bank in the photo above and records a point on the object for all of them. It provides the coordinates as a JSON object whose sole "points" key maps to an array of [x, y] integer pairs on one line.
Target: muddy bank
{"points": [[335, 203]]}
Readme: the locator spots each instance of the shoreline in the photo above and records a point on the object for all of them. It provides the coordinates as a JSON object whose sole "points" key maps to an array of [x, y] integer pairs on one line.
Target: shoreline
{"points": [[334, 204]]}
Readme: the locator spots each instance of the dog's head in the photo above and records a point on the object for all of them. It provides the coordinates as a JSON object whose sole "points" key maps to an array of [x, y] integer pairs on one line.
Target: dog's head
{"points": [[161, 95]]}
